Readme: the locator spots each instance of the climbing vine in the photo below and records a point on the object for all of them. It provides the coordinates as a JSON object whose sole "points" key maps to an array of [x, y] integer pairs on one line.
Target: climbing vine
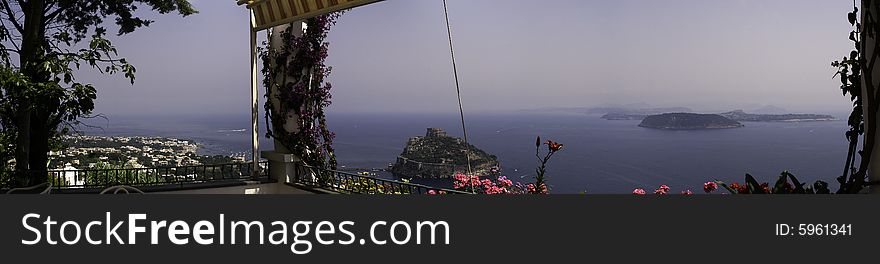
{"points": [[294, 79], [851, 71]]}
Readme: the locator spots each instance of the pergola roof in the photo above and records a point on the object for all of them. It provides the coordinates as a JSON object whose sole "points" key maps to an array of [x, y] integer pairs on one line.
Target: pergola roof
{"points": [[270, 13]]}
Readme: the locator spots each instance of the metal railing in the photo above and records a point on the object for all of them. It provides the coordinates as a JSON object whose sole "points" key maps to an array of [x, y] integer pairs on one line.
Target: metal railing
{"points": [[178, 175], [344, 182]]}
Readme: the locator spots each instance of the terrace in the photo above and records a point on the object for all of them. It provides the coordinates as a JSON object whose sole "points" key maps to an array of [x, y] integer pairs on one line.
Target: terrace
{"points": [[283, 173]]}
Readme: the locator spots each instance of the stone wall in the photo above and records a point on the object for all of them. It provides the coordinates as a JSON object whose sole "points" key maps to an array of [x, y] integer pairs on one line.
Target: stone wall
{"points": [[410, 168]]}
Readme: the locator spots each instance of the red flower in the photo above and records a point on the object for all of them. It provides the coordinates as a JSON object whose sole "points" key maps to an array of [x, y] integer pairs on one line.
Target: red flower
{"points": [[663, 189], [532, 189], [765, 187], [710, 187], [739, 188], [639, 191], [553, 146], [735, 186]]}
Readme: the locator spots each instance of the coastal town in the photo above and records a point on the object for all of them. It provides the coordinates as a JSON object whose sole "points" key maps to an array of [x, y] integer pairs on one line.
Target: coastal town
{"points": [[85, 152]]}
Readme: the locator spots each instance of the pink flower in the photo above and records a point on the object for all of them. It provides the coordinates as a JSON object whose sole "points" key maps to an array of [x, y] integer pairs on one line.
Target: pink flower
{"points": [[504, 182], [475, 181], [639, 191], [664, 188], [533, 189], [710, 187], [460, 181], [688, 192], [434, 192], [487, 183], [496, 190], [660, 191]]}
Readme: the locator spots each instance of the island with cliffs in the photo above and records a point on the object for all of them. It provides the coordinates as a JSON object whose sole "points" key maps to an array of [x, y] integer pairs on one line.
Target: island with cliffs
{"points": [[438, 156], [688, 121]]}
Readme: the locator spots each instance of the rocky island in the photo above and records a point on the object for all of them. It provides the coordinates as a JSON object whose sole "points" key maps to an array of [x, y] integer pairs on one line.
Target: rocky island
{"points": [[688, 121], [438, 155], [626, 113]]}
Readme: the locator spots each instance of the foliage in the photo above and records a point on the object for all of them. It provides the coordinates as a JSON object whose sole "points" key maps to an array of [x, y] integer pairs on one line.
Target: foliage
{"points": [[503, 185], [662, 190], [540, 185], [6, 179], [852, 70], [7, 148], [786, 183], [371, 186], [40, 97], [302, 91], [474, 184], [106, 174], [446, 149]]}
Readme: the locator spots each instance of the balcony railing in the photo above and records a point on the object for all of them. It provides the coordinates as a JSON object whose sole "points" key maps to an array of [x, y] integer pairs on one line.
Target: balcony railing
{"points": [[191, 176], [344, 182], [161, 176]]}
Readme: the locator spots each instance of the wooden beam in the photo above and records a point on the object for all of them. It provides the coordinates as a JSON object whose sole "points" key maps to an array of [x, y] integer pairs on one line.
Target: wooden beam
{"points": [[270, 13]]}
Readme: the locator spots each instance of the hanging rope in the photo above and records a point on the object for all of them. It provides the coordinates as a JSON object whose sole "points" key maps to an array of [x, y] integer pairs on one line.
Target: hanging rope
{"points": [[458, 90]]}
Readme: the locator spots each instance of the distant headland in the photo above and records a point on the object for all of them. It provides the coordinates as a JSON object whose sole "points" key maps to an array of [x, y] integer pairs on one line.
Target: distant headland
{"points": [[739, 116], [742, 116], [623, 113], [688, 121]]}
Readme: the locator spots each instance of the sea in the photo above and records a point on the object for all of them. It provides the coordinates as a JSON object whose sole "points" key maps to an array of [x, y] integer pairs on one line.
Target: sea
{"points": [[599, 156]]}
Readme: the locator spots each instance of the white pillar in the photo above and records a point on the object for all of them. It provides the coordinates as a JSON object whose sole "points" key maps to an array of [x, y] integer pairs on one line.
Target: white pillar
{"points": [[291, 121], [282, 162], [255, 138]]}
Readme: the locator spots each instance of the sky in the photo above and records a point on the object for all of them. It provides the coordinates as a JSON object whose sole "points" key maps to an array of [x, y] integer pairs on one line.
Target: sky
{"points": [[393, 56]]}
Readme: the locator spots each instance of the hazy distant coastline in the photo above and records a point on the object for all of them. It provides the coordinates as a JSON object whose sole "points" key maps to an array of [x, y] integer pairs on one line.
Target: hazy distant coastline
{"points": [[600, 155]]}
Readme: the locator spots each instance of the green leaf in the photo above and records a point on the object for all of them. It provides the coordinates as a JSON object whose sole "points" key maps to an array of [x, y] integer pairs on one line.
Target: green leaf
{"points": [[821, 187], [779, 187], [731, 190], [798, 185], [754, 186]]}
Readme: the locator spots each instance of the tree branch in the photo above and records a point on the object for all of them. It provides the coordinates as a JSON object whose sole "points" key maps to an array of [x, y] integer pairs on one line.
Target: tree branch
{"points": [[55, 13], [11, 15]]}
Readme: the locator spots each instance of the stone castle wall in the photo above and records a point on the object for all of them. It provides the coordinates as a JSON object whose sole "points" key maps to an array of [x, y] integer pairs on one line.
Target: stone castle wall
{"points": [[411, 168], [406, 167]]}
